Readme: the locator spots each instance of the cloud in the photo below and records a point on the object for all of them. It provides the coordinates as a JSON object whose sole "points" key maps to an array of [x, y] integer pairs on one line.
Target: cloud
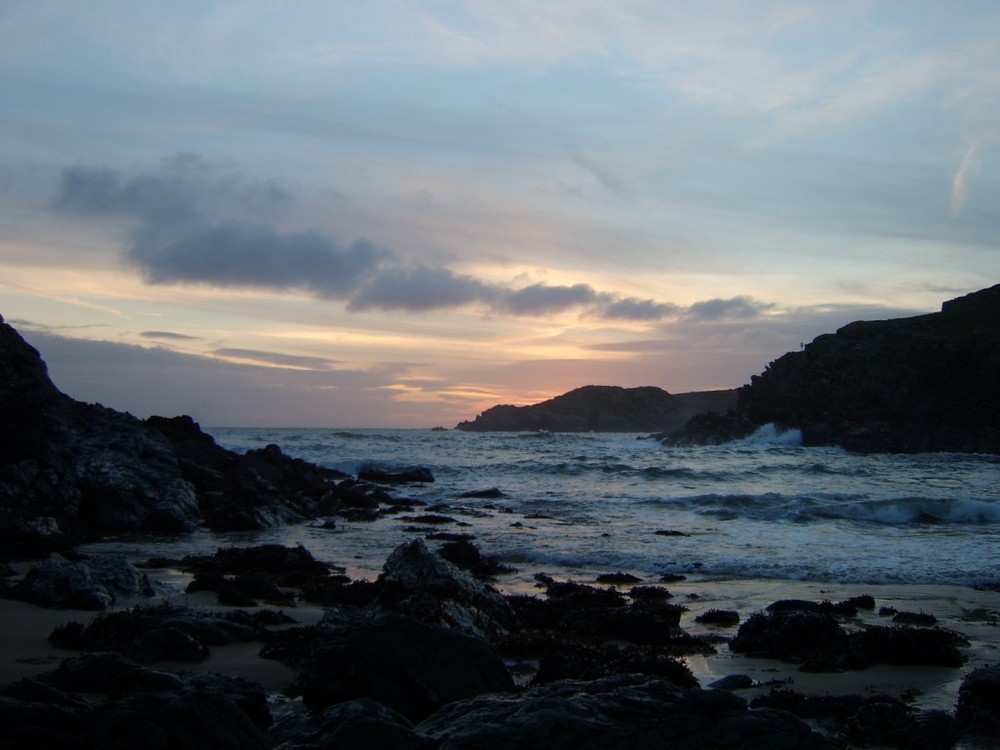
{"points": [[543, 299], [275, 359], [959, 182], [639, 309], [739, 307], [169, 335], [194, 222], [201, 223], [420, 289]]}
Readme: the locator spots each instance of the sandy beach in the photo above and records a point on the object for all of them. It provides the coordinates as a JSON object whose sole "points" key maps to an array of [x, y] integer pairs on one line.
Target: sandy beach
{"points": [[25, 651]]}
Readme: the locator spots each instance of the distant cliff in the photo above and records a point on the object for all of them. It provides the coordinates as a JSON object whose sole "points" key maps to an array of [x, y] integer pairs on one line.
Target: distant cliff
{"points": [[603, 408], [926, 383]]}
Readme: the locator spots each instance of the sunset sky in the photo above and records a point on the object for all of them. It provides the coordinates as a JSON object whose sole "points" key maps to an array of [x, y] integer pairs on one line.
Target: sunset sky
{"points": [[382, 213]]}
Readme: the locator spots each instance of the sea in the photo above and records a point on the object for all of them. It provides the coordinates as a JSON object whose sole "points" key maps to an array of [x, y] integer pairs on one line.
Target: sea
{"points": [[575, 505]]}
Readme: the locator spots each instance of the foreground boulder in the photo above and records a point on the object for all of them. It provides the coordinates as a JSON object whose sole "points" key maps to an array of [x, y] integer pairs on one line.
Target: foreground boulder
{"points": [[94, 583], [420, 583], [411, 667], [616, 712], [817, 641], [142, 708], [978, 710]]}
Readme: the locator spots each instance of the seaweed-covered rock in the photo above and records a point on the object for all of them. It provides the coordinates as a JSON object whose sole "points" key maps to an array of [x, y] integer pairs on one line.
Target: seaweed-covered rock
{"points": [[791, 636]]}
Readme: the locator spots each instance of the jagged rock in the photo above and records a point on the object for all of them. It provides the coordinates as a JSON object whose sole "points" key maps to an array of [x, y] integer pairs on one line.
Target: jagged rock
{"points": [[564, 660], [409, 666], [71, 471], [59, 583], [616, 712], [354, 724], [602, 408], [129, 706], [419, 583], [925, 383], [108, 673], [165, 631]]}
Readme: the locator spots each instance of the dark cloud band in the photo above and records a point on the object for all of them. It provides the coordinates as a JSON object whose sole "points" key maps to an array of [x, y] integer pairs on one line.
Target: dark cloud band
{"points": [[192, 222]]}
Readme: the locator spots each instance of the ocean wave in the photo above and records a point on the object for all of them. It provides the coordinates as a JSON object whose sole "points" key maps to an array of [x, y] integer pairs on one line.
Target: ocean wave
{"points": [[775, 506], [771, 435]]}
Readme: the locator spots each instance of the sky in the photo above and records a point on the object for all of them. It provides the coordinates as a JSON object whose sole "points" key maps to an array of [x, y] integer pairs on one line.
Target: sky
{"points": [[400, 213]]}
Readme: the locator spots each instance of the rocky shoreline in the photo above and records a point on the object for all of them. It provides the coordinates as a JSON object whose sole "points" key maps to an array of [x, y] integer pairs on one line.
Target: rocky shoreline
{"points": [[429, 655]]}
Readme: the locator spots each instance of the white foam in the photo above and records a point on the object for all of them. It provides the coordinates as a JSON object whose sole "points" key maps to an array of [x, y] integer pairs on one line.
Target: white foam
{"points": [[771, 434]]}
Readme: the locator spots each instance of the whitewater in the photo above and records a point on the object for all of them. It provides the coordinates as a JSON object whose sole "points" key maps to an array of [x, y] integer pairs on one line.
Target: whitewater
{"points": [[579, 504]]}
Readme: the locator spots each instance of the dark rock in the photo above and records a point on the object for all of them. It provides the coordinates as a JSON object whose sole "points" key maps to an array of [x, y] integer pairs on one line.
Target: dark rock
{"points": [[978, 709], [134, 628], [925, 383], [733, 682], [356, 724], [617, 578], [108, 673], [462, 553], [885, 721], [914, 618], [876, 644], [795, 635], [615, 712], [167, 644], [411, 667], [418, 583], [649, 593], [490, 494], [71, 471], [92, 584], [810, 706], [725, 618], [128, 706], [816, 640], [602, 408], [562, 660]]}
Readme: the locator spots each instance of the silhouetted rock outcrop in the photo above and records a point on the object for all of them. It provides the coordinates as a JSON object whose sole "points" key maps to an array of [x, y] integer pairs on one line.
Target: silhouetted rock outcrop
{"points": [[70, 471], [925, 383], [603, 408]]}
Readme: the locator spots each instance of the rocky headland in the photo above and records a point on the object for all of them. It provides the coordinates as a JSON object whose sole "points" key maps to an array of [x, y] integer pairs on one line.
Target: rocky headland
{"points": [[603, 408], [925, 383]]}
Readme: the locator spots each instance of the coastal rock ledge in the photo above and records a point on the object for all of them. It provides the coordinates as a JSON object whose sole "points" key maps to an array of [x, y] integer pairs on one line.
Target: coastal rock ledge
{"points": [[908, 385]]}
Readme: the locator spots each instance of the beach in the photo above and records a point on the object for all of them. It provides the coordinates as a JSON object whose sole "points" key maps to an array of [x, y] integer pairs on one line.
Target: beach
{"points": [[26, 652]]}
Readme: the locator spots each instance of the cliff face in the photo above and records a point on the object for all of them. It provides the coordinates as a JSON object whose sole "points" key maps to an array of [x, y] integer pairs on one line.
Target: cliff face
{"points": [[603, 408], [926, 383]]}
